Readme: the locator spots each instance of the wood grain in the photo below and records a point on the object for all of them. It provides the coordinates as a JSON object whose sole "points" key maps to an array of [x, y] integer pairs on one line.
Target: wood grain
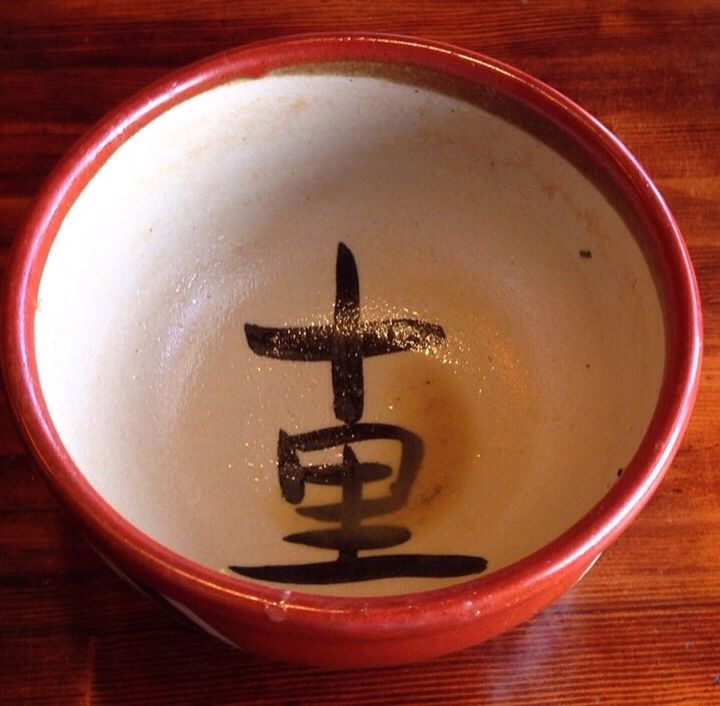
{"points": [[642, 628]]}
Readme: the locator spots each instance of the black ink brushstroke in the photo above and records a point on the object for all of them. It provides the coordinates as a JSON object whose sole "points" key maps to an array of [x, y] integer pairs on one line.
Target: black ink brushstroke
{"points": [[346, 342], [368, 568], [309, 343], [312, 343], [351, 475], [293, 475]]}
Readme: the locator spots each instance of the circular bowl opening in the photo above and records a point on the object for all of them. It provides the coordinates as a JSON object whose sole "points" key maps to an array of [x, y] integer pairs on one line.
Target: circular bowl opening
{"points": [[352, 339]]}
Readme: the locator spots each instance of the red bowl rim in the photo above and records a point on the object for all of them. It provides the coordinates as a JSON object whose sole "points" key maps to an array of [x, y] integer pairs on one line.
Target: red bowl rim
{"points": [[164, 568]]}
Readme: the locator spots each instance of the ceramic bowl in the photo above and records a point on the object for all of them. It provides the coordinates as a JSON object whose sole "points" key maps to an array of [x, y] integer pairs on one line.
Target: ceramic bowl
{"points": [[356, 350]]}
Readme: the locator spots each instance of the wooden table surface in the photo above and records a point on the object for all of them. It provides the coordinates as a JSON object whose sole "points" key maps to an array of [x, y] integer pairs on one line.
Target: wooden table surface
{"points": [[642, 628]]}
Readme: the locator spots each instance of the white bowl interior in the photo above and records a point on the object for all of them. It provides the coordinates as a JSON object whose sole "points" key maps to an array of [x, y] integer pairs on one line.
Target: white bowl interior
{"points": [[228, 209]]}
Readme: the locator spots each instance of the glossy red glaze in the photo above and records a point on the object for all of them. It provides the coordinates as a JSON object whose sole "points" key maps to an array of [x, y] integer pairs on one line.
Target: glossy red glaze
{"points": [[377, 631]]}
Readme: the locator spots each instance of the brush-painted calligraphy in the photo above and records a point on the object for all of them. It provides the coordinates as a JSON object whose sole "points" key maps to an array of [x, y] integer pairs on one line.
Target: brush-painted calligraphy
{"points": [[345, 343]]}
